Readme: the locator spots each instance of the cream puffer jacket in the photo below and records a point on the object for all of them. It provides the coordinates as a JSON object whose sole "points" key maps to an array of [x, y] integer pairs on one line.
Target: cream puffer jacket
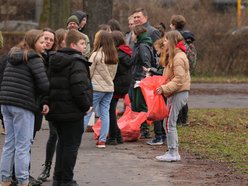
{"points": [[178, 75], [101, 74]]}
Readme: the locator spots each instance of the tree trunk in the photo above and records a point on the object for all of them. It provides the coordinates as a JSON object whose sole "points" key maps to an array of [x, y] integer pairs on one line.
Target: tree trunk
{"points": [[99, 12], [55, 13]]}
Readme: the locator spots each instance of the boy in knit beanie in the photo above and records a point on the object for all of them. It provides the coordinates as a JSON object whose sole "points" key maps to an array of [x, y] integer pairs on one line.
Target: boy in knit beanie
{"points": [[72, 23]]}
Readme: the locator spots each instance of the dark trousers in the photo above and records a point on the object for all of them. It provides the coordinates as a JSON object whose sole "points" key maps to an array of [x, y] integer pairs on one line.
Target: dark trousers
{"points": [[51, 143], [183, 114], [114, 130], [69, 140], [159, 129], [138, 104], [137, 99]]}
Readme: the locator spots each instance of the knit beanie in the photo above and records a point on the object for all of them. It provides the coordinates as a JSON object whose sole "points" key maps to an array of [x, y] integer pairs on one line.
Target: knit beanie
{"points": [[72, 18]]}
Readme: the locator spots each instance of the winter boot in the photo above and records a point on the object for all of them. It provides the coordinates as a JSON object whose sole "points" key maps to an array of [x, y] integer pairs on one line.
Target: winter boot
{"points": [[45, 172]]}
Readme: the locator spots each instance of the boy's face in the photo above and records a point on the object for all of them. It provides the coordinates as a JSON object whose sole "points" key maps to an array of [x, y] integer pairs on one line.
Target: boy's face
{"points": [[80, 46]]}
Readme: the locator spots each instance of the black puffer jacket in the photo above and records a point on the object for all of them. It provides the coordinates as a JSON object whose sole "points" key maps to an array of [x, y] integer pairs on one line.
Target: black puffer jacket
{"points": [[71, 91], [123, 75], [23, 81]]}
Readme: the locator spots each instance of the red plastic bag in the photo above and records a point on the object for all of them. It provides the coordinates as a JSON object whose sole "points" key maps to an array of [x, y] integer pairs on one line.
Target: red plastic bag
{"points": [[97, 127], [129, 124], [157, 109]]}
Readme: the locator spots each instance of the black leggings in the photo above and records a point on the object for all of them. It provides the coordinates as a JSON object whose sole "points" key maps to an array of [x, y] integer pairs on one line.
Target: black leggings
{"points": [[51, 143]]}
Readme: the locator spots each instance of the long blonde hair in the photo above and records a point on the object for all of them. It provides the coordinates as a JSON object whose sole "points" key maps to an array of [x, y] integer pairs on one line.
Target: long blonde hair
{"points": [[173, 38], [104, 40]]}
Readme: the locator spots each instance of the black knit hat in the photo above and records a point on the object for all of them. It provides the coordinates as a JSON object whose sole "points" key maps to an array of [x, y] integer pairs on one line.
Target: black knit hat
{"points": [[80, 15], [72, 18]]}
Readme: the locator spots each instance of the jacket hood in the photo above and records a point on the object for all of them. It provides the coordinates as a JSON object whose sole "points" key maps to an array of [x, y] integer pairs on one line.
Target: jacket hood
{"points": [[63, 58], [16, 56], [188, 36], [126, 49], [144, 38], [80, 15]]}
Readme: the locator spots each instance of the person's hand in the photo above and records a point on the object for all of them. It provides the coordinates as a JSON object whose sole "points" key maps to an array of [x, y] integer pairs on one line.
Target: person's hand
{"points": [[45, 109], [146, 69], [159, 90], [88, 111]]}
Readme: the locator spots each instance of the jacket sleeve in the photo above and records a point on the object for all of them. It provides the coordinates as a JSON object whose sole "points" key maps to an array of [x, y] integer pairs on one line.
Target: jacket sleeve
{"points": [[92, 60], [155, 35], [177, 78], [40, 76], [80, 86], [145, 55]]}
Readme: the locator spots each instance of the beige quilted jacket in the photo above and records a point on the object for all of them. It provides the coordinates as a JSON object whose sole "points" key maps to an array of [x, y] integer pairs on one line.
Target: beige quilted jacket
{"points": [[102, 75]]}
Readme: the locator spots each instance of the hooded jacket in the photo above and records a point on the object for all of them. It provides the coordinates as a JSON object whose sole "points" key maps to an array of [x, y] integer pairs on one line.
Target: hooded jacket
{"points": [[142, 56], [70, 93], [23, 81], [123, 75]]}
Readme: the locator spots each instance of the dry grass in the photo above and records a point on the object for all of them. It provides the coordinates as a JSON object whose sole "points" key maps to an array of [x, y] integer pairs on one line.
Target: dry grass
{"points": [[218, 134]]}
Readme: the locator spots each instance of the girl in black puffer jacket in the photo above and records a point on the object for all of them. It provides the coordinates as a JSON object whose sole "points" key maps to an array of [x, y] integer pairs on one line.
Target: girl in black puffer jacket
{"points": [[122, 82], [23, 80]]}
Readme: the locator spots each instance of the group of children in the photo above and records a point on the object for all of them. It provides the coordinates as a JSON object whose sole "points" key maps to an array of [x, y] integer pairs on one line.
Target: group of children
{"points": [[57, 75]]}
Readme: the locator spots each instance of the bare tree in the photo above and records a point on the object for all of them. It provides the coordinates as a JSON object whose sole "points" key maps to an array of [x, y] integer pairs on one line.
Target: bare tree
{"points": [[55, 13], [99, 12]]}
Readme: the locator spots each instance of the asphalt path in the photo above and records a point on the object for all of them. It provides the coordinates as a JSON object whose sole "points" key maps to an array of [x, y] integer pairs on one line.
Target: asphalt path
{"points": [[206, 95]]}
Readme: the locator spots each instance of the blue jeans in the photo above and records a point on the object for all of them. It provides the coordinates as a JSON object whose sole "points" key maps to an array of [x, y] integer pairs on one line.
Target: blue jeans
{"points": [[102, 101], [19, 127]]}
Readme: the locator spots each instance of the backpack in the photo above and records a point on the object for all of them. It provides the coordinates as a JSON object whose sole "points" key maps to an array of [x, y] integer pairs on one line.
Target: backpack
{"points": [[191, 51]]}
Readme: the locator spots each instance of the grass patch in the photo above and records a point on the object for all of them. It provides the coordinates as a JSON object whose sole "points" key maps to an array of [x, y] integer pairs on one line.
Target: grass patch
{"points": [[219, 79], [218, 134]]}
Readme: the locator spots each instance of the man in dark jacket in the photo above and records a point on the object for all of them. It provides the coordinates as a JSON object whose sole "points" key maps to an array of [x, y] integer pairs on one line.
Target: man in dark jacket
{"points": [[140, 17], [70, 98]]}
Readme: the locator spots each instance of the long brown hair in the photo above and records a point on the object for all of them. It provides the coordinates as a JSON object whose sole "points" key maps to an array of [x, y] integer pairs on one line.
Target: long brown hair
{"points": [[60, 36], [103, 40], [173, 38], [28, 42]]}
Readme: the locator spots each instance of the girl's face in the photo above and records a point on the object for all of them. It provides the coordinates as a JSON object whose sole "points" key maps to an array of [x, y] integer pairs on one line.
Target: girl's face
{"points": [[172, 27], [63, 44], [83, 22], [134, 37], [80, 46], [49, 39], [166, 42], [40, 45]]}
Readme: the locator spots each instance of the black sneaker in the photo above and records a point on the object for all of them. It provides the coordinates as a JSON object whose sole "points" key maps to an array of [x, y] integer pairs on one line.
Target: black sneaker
{"points": [[111, 141], [119, 140], [145, 134], [155, 141]]}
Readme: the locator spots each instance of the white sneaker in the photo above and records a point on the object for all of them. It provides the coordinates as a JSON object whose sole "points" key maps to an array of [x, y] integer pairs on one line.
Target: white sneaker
{"points": [[169, 157]]}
